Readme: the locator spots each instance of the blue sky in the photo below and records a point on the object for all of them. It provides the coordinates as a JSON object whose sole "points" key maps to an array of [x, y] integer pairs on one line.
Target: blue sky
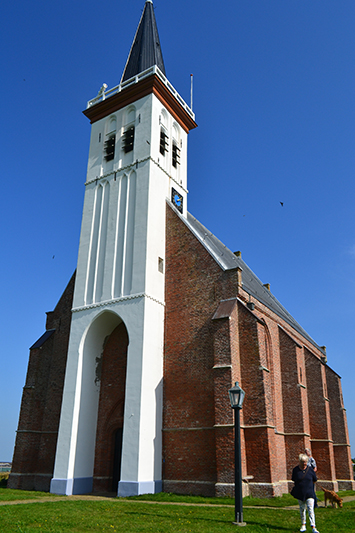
{"points": [[274, 100]]}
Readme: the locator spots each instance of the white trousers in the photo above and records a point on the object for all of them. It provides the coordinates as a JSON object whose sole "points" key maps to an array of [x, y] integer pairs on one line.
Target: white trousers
{"points": [[309, 505]]}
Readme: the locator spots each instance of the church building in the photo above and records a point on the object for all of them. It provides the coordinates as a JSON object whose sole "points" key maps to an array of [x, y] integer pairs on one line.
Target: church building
{"points": [[127, 389]]}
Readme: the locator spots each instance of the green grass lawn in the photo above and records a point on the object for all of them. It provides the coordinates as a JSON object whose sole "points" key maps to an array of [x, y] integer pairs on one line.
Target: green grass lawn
{"points": [[8, 495], [130, 515], [284, 501]]}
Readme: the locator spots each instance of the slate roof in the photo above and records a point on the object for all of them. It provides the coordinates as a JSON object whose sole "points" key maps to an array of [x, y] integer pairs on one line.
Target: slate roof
{"points": [[251, 283], [145, 51]]}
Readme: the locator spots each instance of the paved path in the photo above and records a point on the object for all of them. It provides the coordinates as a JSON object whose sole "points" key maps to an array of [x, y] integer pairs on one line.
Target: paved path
{"points": [[106, 497]]}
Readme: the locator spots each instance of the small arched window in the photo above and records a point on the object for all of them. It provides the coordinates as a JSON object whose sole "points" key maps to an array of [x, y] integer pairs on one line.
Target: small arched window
{"points": [[163, 141], [175, 154], [175, 147], [163, 121], [128, 139], [110, 141], [129, 131]]}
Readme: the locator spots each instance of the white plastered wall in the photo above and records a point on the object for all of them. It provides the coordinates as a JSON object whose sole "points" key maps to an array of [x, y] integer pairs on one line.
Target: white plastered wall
{"points": [[130, 218], [141, 454]]}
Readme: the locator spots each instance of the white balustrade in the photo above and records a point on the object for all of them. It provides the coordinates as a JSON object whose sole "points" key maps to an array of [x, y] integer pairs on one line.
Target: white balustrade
{"points": [[148, 72]]}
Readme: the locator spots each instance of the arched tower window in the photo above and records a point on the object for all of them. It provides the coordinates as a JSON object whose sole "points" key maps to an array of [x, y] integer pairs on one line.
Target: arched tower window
{"points": [[175, 148], [163, 120], [110, 140], [163, 141], [129, 131], [128, 139]]}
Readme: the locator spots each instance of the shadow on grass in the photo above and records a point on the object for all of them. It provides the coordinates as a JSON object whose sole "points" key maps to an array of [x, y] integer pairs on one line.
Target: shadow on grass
{"points": [[179, 518], [215, 521]]}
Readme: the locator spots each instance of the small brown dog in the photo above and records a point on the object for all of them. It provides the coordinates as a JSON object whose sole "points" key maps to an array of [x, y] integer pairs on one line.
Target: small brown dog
{"points": [[332, 497]]}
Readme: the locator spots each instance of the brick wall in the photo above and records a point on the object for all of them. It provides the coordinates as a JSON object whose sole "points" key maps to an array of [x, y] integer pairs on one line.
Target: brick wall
{"points": [[36, 440], [340, 435], [206, 350], [213, 337], [188, 436]]}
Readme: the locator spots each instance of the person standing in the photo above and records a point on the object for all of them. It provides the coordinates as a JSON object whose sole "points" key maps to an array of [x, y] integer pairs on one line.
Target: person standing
{"points": [[304, 478], [311, 461]]}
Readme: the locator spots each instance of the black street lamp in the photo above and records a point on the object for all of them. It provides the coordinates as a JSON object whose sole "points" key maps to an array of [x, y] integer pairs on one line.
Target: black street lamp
{"points": [[236, 395]]}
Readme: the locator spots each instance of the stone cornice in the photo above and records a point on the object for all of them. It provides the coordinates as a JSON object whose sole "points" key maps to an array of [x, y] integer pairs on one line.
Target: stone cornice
{"points": [[146, 86], [188, 429], [115, 301]]}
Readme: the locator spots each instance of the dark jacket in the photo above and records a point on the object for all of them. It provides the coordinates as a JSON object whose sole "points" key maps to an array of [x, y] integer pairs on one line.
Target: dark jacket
{"points": [[304, 483]]}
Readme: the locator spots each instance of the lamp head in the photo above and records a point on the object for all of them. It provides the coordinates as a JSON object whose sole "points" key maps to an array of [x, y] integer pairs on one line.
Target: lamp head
{"points": [[236, 396]]}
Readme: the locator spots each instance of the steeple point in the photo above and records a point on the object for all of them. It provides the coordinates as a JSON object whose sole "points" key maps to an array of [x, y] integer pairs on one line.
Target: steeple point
{"points": [[145, 51]]}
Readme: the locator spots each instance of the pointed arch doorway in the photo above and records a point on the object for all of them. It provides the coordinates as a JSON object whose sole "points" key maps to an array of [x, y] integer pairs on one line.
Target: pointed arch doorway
{"points": [[111, 373]]}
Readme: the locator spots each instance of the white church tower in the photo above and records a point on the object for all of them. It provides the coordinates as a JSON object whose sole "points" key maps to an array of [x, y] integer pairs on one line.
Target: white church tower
{"points": [[137, 162]]}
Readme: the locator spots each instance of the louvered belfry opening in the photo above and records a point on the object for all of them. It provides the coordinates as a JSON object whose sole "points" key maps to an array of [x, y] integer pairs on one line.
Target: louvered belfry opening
{"points": [[128, 139], [163, 142], [175, 155], [110, 148]]}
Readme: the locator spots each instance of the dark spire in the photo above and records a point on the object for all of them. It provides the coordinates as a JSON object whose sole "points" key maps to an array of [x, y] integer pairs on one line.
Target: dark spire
{"points": [[145, 51]]}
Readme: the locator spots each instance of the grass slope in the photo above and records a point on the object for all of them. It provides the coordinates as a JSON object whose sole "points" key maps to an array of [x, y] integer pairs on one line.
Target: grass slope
{"points": [[130, 515]]}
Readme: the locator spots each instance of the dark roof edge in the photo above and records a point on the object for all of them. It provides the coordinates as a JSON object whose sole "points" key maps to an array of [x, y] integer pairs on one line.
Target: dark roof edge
{"points": [[251, 283], [290, 336], [42, 339]]}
